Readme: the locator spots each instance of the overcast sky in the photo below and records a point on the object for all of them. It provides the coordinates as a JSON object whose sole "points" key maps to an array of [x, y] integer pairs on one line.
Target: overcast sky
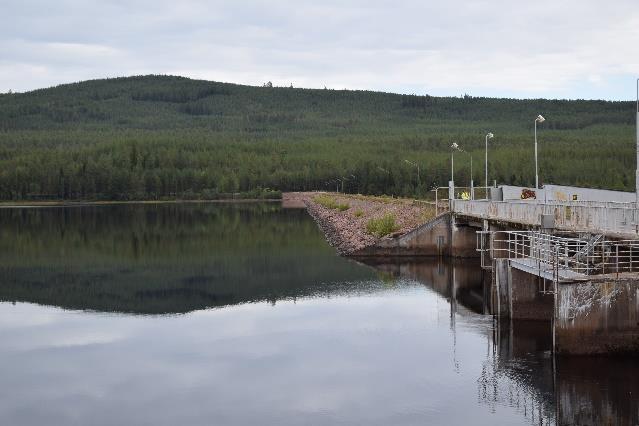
{"points": [[543, 48]]}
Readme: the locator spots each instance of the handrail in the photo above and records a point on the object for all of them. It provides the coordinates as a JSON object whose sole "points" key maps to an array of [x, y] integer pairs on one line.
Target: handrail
{"points": [[588, 256]]}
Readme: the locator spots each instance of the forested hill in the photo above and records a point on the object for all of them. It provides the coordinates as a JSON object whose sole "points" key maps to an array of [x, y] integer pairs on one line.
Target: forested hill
{"points": [[162, 137]]}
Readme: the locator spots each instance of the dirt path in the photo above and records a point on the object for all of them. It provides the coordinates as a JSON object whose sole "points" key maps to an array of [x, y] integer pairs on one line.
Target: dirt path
{"points": [[345, 226]]}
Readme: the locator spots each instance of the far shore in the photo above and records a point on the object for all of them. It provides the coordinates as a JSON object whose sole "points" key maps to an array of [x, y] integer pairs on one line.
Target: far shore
{"points": [[78, 203]]}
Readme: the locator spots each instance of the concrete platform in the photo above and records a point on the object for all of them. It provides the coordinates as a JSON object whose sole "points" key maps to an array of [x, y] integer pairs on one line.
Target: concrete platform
{"points": [[546, 271]]}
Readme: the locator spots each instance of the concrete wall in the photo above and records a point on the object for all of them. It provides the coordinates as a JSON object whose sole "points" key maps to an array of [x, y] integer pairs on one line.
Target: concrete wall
{"points": [[527, 302], [592, 217], [463, 240], [598, 316], [438, 237], [501, 284], [430, 239], [573, 193], [519, 295], [567, 193], [514, 193]]}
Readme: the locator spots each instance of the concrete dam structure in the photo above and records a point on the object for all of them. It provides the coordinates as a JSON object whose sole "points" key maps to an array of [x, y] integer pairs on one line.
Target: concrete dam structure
{"points": [[565, 255]]}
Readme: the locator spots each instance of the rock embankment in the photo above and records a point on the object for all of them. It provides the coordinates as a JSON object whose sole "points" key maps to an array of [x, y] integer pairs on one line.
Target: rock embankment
{"points": [[346, 227]]}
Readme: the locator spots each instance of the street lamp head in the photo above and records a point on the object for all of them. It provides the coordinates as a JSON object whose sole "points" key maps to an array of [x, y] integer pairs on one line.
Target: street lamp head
{"points": [[455, 146], [540, 119], [490, 135]]}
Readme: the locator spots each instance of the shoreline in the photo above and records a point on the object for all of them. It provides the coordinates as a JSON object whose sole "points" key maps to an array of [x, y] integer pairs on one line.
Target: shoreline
{"points": [[43, 204]]}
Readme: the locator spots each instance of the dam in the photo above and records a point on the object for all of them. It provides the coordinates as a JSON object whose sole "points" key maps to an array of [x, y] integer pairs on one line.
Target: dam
{"points": [[561, 254]]}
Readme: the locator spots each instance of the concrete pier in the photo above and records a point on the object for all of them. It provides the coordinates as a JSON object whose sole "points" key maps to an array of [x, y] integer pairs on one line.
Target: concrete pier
{"points": [[598, 316]]}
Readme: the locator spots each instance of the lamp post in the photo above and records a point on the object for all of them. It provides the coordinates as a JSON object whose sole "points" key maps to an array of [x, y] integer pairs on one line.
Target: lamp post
{"points": [[354, 178], [454, 147], [539, 119], [488, 136], [344, 179], [637, 167], [414, 165], [336, 182], [472, 189], [451, 184]]}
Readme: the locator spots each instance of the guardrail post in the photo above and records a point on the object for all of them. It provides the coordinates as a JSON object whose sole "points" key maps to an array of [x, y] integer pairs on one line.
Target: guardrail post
{"points": [[603, 256]]}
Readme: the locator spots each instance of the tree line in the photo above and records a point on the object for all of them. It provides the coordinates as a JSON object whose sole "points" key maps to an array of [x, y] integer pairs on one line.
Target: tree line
{"points": [[154, 137]]}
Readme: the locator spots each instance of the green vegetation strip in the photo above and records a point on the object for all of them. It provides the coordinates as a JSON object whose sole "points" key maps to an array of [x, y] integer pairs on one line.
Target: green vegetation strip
{"points": [[330, 203], [382, 226]]}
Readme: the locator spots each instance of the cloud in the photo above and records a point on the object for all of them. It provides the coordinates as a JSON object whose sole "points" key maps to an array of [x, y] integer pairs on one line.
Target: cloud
{"points": [[493, 48]]}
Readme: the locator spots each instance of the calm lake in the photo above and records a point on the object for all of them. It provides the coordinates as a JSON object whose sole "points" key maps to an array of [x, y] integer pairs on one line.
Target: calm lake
{"points": [[238, 314]]}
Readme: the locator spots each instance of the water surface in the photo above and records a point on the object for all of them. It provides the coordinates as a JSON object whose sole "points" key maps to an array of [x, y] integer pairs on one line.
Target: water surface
{"points": [[242, 314]]}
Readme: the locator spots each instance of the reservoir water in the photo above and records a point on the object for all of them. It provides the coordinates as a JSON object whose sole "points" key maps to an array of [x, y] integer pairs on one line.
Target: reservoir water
{"points": [[237, 314]]}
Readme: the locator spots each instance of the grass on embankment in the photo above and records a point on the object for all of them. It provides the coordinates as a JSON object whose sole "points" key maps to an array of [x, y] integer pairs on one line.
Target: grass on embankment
{"points": [[330, 203], [360, 220], [382, 226]]}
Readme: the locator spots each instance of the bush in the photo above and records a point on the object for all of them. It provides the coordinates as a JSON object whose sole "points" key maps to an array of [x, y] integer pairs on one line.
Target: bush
{"points": [[382, 226], [358, 213], [330, 203]]}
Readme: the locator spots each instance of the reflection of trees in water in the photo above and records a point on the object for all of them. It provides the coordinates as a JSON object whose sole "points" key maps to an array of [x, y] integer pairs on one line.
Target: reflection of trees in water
{"points": [[584, 391], [165, 258], [596, 391], [177, 258], [508, 383], [518, 370]]}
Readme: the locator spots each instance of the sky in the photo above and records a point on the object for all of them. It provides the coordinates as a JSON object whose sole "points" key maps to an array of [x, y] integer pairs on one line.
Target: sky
{"points": [[575, 49]]}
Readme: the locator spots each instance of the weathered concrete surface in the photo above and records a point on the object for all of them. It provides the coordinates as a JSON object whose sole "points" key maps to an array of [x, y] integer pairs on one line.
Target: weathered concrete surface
{"points": [[501, 284], [463, 240], [519, 295], [615, 220], [527, 299], [439, 237], [598, 316], [430, 239]]}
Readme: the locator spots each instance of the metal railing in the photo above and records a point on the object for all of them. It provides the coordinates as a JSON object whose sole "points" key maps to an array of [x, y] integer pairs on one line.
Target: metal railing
{"points": [[587, 254], [443, 195]]}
